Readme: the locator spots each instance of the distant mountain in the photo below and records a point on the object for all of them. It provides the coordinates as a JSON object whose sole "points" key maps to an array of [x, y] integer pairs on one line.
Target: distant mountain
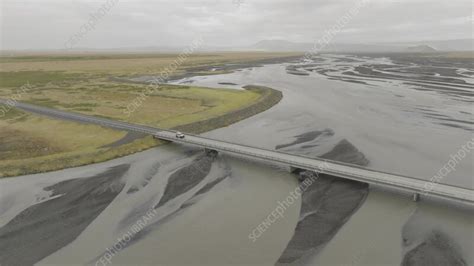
{"points": [[280, 45], [421, 49], [445, 45], [286, 46]]}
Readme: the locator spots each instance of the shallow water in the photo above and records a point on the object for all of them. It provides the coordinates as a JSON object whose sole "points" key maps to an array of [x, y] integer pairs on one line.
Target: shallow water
{"points": [[385, 119], [372, 235]]}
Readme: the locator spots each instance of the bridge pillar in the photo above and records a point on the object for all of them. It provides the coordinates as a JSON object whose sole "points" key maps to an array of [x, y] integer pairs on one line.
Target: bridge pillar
{"points": [[416, 197], [211, 152], [299, 172], [294, 170]]}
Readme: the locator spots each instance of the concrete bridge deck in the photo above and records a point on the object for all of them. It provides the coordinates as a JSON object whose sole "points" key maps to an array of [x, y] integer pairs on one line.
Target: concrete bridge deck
{"points": [[417, 186], [408, 184]]}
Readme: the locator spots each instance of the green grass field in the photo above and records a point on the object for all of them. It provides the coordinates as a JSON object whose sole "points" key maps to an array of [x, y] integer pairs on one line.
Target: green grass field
{"points": [[31, 143]]}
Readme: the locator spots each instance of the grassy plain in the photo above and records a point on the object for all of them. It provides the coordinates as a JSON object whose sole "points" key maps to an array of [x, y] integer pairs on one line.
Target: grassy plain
{"points": [[125, 64], [459, 55], [85, 84], [31, 144]]}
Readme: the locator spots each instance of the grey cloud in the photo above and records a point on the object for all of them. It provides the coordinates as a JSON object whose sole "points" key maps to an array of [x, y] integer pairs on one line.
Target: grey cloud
{"points": [[32, 24]]}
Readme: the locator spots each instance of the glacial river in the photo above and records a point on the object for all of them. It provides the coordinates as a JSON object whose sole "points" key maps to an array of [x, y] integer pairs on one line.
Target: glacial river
{"points": [[401, 118]]}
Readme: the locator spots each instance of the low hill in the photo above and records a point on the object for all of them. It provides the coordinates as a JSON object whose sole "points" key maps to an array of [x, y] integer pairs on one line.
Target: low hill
{"points": [[421, 49]]}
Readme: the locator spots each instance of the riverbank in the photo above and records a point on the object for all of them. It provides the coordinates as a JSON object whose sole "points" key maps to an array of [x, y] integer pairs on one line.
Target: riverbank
{"points": [[269, 98], [108, 143]]}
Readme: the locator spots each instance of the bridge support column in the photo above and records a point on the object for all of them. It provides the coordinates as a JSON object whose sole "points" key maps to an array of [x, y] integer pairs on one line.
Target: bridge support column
{"points": [[294, 170], [416, 197], [211, 152], [299, 172]]}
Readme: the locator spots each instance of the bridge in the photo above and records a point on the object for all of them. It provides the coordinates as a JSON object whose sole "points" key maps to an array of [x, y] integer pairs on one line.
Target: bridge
{"points": [[418, 187]]}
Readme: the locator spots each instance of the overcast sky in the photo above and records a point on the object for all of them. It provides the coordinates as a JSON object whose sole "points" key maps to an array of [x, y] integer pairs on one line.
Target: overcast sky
{"points": [[50, 24]]}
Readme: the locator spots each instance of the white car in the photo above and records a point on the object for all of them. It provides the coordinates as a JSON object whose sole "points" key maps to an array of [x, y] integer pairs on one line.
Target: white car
{"points": [[179, 135]]}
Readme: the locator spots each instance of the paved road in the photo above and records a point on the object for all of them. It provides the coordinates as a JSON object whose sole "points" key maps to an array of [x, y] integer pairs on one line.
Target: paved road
{"points": [[83, 118], [404, 183]]}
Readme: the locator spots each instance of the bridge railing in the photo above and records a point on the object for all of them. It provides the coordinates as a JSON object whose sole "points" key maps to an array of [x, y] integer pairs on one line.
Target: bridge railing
{"points": [[399, 181], [322, 160], [335, 166]]}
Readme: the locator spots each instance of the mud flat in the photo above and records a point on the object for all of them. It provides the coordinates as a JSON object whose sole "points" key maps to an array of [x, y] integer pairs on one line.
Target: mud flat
{"points": [[293, 70], [316, 102], [393, 230], [326, 205], [212, 69], [437, 249], [306, 137], [44, 228], [215, 229], [186, 178], [372, 236], [438, 235]]}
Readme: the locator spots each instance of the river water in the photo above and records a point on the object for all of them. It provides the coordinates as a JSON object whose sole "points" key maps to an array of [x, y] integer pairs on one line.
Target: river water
{"points": [[385, 119], [406, 125]]}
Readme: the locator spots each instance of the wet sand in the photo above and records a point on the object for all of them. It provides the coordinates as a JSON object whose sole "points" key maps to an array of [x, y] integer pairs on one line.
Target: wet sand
{"points": [[372, 236], [46, 227], [306, 137], [214, 231], [438, 235], [380, 119], [326, 205], [209, 69], [436, 249], [186, 178], [211, 221]]}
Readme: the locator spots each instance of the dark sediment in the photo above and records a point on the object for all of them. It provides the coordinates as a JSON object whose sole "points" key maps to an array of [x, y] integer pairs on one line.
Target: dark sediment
{"points": [[227, 83], [204, 70], [293, 70], [44, 228], [345, 152], [447, 120], [350, 80], [202, 191], [148, 176], [435, 250], [181, 181], [326, 206], [209, 186], [219, 68], [430, 73], [186, 178], [297, 73], [306, 137], [455, 126]]}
